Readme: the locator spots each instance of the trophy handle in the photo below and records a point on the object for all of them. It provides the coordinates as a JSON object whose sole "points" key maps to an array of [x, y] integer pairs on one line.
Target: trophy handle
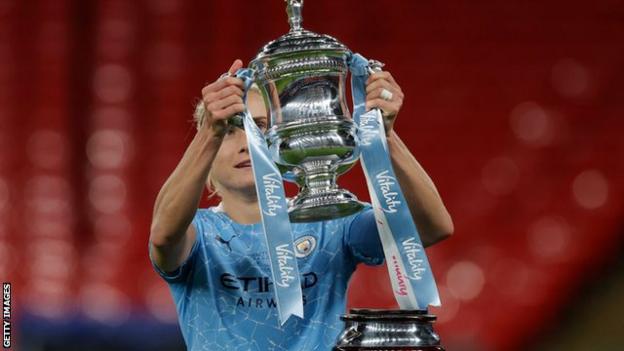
{"points": [[375, 66]]}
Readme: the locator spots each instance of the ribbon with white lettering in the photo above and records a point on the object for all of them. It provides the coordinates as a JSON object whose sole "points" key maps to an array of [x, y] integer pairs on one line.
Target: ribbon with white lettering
{"points": [[412, 280], [274, 213]]}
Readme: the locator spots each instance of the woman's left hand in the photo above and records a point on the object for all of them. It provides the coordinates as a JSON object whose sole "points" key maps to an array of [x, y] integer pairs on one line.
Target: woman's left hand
{"points": [[382, 91]]}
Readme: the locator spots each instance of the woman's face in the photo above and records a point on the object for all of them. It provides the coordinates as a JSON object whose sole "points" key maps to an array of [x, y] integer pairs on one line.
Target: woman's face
{"points": [[231, 169]]}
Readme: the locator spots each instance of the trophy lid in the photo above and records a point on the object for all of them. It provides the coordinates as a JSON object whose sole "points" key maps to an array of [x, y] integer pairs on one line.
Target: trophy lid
{"points": [[299, 39]]}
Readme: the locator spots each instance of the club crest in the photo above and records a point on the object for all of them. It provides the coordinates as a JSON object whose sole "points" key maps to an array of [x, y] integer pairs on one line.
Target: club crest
{"points": [[304, 246]]}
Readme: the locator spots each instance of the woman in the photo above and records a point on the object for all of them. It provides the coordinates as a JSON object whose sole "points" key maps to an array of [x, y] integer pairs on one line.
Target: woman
{"points": [[214, 259]]}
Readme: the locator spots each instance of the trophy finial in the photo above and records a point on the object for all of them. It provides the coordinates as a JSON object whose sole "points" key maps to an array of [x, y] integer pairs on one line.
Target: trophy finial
{"points": [[293, 9]]}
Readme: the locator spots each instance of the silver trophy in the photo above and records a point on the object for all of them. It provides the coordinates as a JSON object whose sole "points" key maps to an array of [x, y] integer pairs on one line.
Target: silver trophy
{"points": [[312, 137], [313, 140]]}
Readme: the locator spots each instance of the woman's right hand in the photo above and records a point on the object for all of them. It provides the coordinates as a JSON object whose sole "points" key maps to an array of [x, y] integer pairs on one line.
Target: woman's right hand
{"points": [[222, 99]]}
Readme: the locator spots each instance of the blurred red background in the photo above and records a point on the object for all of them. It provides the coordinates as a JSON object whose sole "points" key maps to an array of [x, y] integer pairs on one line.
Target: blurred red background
{"points": [[514, 108]]}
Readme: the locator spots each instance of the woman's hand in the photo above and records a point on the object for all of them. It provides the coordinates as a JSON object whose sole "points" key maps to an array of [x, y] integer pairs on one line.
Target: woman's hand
{"points": [[382, 91], [221, 100]]}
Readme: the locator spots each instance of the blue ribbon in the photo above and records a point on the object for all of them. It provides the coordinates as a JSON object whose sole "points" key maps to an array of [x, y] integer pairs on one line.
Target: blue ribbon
{"points": [[405, 255], [274, 212]]}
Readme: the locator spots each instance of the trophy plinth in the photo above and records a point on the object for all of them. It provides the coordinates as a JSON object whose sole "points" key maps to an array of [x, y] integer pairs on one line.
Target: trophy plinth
{"points": [[386, 330]]}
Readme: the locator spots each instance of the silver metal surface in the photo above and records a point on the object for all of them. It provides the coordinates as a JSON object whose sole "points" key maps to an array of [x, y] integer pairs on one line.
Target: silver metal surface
{"points": [[311, 135], [367, 329]]}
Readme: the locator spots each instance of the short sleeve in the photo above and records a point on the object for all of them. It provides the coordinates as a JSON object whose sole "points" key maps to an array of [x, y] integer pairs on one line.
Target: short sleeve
{"points": [[181, 274], [362, 238]]}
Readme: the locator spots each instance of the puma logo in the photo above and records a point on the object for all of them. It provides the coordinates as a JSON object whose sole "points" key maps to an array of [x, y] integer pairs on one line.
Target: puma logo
{"points": [[225, 242]]}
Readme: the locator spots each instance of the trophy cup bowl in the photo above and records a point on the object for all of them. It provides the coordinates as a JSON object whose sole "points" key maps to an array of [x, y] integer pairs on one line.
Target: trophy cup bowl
{"points": [[311, 135], [386, 330]]}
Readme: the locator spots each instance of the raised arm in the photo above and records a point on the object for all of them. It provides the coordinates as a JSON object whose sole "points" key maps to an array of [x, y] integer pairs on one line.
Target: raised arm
{"points": [[172, 236], [430, 215]]}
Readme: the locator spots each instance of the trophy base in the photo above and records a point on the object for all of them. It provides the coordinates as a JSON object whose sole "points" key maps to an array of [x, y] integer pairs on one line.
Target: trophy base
{"points": [[388, 330], [322, 206], [393, 348]]}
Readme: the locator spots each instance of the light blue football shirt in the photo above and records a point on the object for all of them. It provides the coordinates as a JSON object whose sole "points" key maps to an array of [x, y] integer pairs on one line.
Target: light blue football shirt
{"points": [[224, 294]]}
